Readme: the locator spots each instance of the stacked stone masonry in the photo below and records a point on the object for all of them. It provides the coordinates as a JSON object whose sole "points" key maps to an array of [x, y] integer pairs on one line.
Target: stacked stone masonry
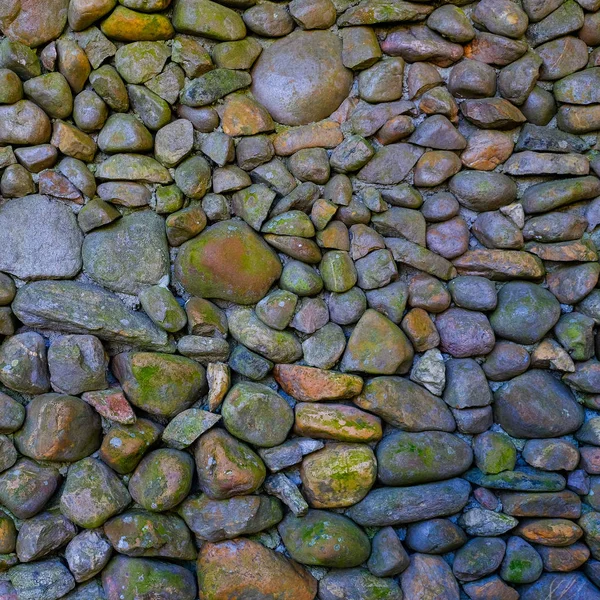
{"points": [[299, 300]]}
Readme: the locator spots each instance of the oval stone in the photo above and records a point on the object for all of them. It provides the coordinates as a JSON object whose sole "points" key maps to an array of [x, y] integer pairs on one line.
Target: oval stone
{"points": [[227, 261], [535, 405], [324, 539], [301, 78], [405, 458]]}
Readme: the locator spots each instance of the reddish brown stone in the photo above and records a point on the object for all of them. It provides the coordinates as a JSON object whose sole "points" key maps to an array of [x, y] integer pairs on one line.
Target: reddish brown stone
{"points": [[310, 384]]}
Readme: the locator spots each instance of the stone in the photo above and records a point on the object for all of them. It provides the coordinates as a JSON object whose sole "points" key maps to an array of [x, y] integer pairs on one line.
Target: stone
{"points": [[41, 217], [88, 509], [405, 458], [538, 417], [360, 355], [87, 554], [521, 564], [428, 575], [474, 337], [142, 533], [323, 538], [124, 445], [500, 265], [126, 576], [125, 25], [256, 414], [227, 467], [23, 363], [419, 43], [357, 583], [208, 19], [244, 566], [338, 475], [217, 520], [162, 479], [77, 364], [388, 556], [30, 24], [391, 164], [188, 426], [43, 580], [129, 255], [305, 102], [544, 197], [71, 429], [26, 487], [481, 191], [405, 405], [478, 557], [531, 305], [75, 307], [161, 384], [201, 275]]}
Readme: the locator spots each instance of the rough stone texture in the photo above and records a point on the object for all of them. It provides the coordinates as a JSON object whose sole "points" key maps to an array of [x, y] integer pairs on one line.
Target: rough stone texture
{"points": [[327, 271]]}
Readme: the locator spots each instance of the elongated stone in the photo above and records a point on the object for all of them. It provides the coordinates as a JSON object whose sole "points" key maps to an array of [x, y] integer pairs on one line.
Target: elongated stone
{"points": [[75, 307], [398, 506]]}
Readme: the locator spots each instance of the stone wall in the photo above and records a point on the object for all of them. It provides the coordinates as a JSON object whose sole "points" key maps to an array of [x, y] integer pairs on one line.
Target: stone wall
{"points": [[298, 299]]}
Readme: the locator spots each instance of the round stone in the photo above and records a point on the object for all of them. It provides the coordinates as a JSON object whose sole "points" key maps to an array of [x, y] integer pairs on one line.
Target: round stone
{"points": [[525, 312], [227, 261], [256, 414], [301, 78]]}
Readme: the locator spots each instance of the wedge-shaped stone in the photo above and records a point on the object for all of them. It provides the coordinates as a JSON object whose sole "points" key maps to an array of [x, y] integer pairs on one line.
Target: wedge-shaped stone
{"points": [[405, 405], [524, 479], [414, 255], [500, 265]]}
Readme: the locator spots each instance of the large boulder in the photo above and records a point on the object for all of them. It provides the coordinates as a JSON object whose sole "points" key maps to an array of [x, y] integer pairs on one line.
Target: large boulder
{"points": [[301, 78], [40, 239]]}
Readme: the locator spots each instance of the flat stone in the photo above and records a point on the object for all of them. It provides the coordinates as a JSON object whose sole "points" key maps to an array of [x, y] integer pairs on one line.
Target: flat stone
{"points": [[208, 19], [500, 265], [402, 505], [391, 164]]}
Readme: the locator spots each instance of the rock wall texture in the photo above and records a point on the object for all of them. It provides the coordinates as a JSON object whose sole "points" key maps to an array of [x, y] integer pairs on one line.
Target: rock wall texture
{"points": [[299, 300]]}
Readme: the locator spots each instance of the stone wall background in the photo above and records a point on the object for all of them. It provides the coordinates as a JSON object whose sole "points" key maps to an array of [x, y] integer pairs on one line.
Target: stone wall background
{"points": [[299, 300]]}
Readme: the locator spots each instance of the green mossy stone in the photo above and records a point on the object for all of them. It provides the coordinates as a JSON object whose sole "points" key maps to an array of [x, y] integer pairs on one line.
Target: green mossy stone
{"points": [[208, 19], [162, 479], [108, 84], [146, 578], [213, 85], [377, 346], [494, 452], [249, 330], [227, 261], [188, 426], [52, 93], [19, 58], [143, 533], [300, 279], [256, 414], [406, 458], [324, 539], [140, 61], [338, 475], [161, 384], [162, 307], [133, 167], [150, 107], [338, 271], [92, 494], [193, 177]]}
